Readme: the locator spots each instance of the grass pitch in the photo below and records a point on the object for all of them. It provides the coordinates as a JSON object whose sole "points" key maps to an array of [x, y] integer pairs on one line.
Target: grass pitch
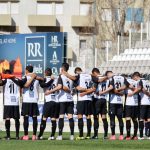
{"points": [[72, 145]]}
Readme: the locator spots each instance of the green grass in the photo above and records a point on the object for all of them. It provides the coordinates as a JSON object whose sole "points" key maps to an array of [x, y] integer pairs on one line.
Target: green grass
{"points": [[72, 145]]}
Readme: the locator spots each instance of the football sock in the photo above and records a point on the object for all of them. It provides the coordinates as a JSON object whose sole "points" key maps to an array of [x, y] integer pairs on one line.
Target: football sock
{"points": [[26, 125], [105, 124], [89, 124], [42, 127], [35, 125], [71, 123], [112, 124], [135, 122], [141, 127], [7, 126], [17, 126], [96, 126], [128, 127], [61, 125], [53, 127], [121, 125], [80, 126]]}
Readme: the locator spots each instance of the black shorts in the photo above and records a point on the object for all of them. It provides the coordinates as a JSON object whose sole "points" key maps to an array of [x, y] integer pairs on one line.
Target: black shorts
{"points": [[145, 112], [84, 107], [116, 109], [99, 106], [66, 108], [51, 109], [30, 109], [131, 111], [11, 112]]}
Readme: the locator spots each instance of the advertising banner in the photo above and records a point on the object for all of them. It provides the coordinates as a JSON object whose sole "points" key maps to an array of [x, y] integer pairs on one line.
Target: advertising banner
{"points": [[39, 49]]}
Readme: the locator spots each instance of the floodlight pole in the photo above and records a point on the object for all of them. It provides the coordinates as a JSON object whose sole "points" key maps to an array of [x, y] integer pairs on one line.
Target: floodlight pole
{"points": [[94, 37], [130, 34]]}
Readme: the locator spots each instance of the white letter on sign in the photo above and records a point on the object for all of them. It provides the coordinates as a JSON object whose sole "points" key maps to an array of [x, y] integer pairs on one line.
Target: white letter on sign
{"points": [[34, 49]]}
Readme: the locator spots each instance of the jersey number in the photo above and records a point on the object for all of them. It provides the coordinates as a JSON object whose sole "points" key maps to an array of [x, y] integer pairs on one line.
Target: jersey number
{"points": [[117, 85], [32, 86], [103, 87], [87, 85], [12, 88]]}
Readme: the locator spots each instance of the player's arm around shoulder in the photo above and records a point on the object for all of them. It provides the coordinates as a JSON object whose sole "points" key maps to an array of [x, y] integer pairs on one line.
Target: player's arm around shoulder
{"points": [[2, 81], [29, 82], [45, 84], [57, 88]]}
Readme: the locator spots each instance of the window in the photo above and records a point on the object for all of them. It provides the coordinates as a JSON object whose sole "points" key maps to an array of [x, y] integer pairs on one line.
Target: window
{"points": [[104, 44], [14, 8], [117, 14], [106, 14], [59, 8], [3, 8], [85, 9], [44, 9], [135, 14], [82, 44]]}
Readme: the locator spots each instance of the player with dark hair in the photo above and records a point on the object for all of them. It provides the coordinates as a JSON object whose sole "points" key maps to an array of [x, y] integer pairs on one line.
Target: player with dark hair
{"points": [[77, 70], [144, 105], [85, 85], [116, 88], [11, 104], [132, 107], [30, 85], [64, 86], [51, 106], [100, 105], [30, 102]]}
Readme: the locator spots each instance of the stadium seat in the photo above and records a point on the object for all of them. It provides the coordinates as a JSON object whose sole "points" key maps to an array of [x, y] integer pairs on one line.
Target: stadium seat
{"points": [[148, 51], [126, 51], [131, 51], [126, 63], [140, 51], [128, 57], [142, 57], [135, 51], [111, 63], [115, 58], [145, 51], [123, 57]]}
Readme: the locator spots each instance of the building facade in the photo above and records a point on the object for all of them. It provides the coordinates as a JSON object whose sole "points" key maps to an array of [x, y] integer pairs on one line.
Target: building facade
{"points": [[76, 17], [30, 16]]}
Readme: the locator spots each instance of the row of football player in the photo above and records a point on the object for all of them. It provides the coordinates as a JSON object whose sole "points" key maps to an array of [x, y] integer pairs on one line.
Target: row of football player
{"points": [[59, 101]]}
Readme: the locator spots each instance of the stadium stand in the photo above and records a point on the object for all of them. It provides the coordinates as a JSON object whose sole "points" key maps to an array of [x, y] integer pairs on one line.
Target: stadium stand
{"points": [[131, 60]]}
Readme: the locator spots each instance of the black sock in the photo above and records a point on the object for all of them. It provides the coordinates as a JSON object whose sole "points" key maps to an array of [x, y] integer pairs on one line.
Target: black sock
{"points": [[26, 125], [17, 125], [105, 124], [35, 125], [148, 130], [61, 125], [42, 127], [121, 125], [112, 124], [7, 126], [135, 122], [80, 126], [53, 127], [96, 126], [89, 124], [128, 127], [141, 127], [71, 123]]}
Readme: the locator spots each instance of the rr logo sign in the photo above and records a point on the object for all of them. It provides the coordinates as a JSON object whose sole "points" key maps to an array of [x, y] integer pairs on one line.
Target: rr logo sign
{"points": [[34, 50], [35, 53]]}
